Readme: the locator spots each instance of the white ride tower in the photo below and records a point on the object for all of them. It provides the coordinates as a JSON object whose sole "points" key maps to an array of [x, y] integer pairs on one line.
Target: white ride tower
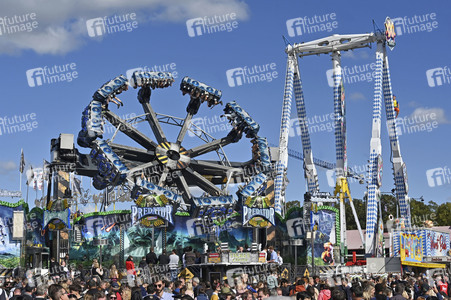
{"points": [[333, 45]]}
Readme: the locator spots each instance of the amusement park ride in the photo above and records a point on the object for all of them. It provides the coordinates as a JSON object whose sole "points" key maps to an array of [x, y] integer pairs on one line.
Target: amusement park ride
{"points": [[159, 175], [333, 45]]}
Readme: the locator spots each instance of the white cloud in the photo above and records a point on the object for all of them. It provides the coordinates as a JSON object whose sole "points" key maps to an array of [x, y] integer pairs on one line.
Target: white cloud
{"points": [[8, 166], [434, 114], [413, 104], [359, 54], [357, 96], [62, 28]]}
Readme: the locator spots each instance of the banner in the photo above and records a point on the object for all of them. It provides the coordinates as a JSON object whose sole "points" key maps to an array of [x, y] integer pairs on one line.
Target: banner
{"points": [[6, 193], [411, 247], [438, 243], [324, 225], [9, 248]]}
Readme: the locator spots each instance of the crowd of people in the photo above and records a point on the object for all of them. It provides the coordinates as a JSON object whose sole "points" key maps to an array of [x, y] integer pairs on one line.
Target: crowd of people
{"points": [[150, 281], [159, 277]]}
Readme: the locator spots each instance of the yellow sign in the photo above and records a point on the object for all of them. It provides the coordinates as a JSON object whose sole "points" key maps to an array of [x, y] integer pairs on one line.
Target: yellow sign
{"points": [[186, 274], [284, 273], [306, 273], [424, 265]]}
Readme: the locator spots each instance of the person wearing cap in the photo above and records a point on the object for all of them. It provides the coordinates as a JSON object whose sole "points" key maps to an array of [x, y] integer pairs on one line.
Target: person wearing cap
{"points": [[226, 292]]}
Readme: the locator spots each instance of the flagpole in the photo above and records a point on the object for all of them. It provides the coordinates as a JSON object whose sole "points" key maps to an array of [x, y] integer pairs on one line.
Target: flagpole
{"points": [[21, 167], [28, 187], [20, 182]]}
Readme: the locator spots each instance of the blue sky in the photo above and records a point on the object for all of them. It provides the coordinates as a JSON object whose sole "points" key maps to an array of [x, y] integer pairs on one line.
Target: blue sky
{"points": [[161, 37]]}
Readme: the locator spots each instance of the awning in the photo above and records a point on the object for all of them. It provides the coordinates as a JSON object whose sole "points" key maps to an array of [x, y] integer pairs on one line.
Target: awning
{"points": [[423, 265]]}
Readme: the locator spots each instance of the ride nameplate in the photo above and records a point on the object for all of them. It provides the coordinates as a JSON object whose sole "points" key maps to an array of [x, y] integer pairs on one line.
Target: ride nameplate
{"points": [[164, 212], [214, 258], [219, 201], [266, 213], [240, 258], [158, 190]]}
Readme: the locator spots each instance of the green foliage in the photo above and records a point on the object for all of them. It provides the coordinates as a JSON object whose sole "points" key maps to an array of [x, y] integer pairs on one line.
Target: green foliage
{"points": [[10, 263], [420, 211], [443, 215]]}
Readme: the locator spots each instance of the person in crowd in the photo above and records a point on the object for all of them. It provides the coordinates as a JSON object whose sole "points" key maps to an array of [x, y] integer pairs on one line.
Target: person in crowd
{"points": [[57, 292], [398, 291], [279, 258], [357, 291], [114, 273], [189, 289], [76, 289], [41, 292], [324, 293], [54, 269], [174, 260], [190, 257], [272, 255], [163, 259], [151, 258], [263, 293], [130, 266], [97, 269], [216, 292], [143, 263], [196, 286], [159, 291]]}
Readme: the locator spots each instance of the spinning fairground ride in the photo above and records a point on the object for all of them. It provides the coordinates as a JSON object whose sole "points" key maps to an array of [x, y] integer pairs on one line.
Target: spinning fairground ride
{"points": [[161, 177]]}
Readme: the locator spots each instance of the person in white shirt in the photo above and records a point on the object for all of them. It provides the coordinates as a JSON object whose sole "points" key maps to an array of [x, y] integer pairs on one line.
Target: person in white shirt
{"points": [[173, 265], [279, 258]]}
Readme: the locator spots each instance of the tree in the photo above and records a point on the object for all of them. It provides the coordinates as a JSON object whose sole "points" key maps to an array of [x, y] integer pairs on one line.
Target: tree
{"points": [[443, 215]]}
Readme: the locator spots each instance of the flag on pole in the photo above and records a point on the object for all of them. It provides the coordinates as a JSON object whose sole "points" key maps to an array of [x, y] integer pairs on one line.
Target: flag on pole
{"points": [[22, 162], [76, 184], [46, 168], [30, 175], [38, 179]]}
